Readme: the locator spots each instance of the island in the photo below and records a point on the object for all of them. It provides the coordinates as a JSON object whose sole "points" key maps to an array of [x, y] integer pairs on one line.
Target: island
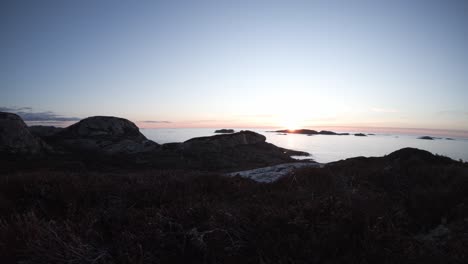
{"points": [[426, 138], [360, 135], [224, 131], [309, 132]]}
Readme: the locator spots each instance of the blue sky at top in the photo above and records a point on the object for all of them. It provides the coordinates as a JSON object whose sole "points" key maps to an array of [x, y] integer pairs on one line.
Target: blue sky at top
{"points": [[240, 63]]}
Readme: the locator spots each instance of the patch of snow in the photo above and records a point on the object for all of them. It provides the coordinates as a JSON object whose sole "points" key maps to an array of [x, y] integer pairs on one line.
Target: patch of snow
{"points": [[272, 173]]}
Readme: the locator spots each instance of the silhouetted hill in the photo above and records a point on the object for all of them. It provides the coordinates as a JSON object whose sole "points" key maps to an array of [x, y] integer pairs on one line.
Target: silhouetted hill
{"points": [[15, 138]]}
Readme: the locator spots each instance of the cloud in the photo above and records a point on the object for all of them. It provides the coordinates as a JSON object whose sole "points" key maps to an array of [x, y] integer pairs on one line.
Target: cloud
{"points": [[156, 122], [452, 113], [27, 114], [384, 110]]}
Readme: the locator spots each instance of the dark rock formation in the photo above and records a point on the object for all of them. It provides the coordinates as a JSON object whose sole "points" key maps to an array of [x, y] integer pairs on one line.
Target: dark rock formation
{"points": [[396, 159], [15, 137], [227, 152], [106, 142], [222, 141], [412, 154], [224, 131], [245, 149], [311, 132], [360, 135], [44, 131], [331, 133], [426, 138], [298, 131], [104, 135]]}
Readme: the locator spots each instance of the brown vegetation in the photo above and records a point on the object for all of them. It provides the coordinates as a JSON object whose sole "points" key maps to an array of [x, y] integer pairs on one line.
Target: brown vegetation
{"points": [[361, 210]]}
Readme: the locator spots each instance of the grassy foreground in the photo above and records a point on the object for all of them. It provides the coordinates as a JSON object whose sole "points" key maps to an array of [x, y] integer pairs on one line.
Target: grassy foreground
{"points": [[357, 211]]}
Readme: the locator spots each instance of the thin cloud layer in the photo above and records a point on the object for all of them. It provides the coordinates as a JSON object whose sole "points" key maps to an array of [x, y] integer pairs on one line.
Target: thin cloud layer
{"points": [[27, 114], [156, 122]]}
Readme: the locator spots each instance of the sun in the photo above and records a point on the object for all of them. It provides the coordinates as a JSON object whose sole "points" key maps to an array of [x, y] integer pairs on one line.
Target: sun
{"points": [[291, 123]]}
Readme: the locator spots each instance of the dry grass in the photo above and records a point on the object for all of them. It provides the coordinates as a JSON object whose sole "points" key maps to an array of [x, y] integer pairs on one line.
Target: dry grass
{"points": [[361, 211]]}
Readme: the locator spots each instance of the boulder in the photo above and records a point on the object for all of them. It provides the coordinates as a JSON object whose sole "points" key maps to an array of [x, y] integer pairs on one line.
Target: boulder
{"points": [[15, 137], [104, 135]]}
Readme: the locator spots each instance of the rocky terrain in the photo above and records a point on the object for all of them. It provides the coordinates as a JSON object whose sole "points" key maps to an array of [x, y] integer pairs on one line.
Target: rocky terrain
{"points": [[16, 139], [273, 173], [102, 141], [100, 192], [104, 135]]}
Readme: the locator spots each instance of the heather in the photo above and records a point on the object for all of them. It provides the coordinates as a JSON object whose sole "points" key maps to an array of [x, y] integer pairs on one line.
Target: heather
{"points": [[408, 207]]}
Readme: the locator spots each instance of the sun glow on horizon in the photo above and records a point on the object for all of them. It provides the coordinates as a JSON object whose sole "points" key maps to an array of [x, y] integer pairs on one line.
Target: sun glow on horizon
{"points": [[291, 122]]}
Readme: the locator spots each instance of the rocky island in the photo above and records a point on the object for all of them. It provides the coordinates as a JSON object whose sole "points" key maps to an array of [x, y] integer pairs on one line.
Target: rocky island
{"points": [[360, 135], [224, 131], [427, 138], [309, 132]]}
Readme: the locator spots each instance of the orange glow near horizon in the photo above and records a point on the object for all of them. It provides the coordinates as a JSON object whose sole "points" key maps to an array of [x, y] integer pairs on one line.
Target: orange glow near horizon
{"points": [[289, 124], [295, 124]]}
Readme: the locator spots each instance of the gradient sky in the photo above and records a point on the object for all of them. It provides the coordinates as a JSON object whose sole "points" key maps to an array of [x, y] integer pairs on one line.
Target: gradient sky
{"points": [[238, 63]]}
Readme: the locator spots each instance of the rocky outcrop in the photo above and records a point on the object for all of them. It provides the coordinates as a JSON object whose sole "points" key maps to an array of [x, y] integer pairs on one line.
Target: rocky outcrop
{"points": [[104, 135], [44, 131], [222, 141], [110, 141], [224, 131], [241, 150], [15, 137], [360, 135]]}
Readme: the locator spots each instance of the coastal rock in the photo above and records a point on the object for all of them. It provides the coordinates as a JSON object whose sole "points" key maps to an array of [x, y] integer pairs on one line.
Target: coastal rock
{"points": [[241, 150], [106, 135], [224, 131], [15, 137], [360, 135], [222, 141]]}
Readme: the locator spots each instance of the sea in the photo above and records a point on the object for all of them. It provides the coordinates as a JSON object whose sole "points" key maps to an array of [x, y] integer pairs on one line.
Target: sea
{"points": [[326, 148]]}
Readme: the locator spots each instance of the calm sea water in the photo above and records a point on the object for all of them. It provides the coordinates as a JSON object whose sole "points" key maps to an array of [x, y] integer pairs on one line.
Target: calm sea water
{"points": [[331, 148]]}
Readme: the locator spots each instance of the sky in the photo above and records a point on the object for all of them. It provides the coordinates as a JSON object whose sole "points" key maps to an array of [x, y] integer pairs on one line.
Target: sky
{"points": [[394, 64]]}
